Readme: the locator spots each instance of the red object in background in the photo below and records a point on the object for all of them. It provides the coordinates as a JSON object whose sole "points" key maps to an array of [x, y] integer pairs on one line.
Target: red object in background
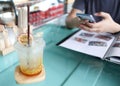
{"points": [[52, 11], [61, 9], [47, 14], [42, 14], [39, 17], [57, 10]]}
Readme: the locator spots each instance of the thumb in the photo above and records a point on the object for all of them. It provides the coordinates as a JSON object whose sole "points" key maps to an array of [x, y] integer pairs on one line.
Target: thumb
{"points": [[103, 15]]}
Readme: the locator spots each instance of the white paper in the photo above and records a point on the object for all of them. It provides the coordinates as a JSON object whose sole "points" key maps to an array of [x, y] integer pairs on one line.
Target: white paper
{"points": [[81, 42], [115, 50]]}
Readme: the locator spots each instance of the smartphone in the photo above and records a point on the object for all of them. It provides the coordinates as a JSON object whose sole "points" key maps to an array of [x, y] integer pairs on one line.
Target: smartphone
{"points": [[86, 17]]}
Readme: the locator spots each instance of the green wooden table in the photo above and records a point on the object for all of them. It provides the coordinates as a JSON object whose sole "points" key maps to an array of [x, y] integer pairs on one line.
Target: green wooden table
{"points": [[63, 67]]}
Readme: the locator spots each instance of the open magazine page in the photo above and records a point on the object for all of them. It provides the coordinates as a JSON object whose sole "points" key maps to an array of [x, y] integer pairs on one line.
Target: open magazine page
{"points": [[95, 44], [115, 50]]}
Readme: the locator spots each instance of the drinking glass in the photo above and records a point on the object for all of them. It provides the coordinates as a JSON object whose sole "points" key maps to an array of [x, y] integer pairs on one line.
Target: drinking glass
{"points": [[31, 57]]}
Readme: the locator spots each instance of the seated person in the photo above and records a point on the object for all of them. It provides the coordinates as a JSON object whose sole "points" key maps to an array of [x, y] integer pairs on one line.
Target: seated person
{"points": [[106, 12]]}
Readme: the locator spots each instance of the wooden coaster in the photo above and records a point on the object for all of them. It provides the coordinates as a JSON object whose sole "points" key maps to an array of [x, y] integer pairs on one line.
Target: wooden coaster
{"points": [[23, 79]]}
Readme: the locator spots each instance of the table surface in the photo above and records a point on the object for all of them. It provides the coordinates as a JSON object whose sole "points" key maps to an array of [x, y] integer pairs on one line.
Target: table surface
{"points": [[63, 67]]}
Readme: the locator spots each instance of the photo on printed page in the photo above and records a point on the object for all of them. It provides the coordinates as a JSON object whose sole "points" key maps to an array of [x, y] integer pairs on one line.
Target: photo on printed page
{"points": [[116, 45], [81, 40], [104, 37], [118, 39], [86, 34], [97, 43]]}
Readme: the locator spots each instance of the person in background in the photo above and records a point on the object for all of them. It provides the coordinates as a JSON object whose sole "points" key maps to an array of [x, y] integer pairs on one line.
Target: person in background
{"points": [[106, 13]]}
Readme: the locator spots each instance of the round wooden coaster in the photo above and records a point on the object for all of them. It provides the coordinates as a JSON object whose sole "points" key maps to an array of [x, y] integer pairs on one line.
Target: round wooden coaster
{"points": [[23, 79]]}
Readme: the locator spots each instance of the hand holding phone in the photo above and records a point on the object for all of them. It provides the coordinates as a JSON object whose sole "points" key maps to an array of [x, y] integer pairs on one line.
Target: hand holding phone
{"points": [[86, 17]]}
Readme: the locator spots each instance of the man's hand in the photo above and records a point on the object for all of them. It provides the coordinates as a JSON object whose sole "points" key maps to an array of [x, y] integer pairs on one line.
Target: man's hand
{"points": [[107, 24]]}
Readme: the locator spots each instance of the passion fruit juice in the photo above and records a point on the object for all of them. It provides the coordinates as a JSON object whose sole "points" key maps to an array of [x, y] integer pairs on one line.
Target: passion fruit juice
{"points": [[31, 69]]}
